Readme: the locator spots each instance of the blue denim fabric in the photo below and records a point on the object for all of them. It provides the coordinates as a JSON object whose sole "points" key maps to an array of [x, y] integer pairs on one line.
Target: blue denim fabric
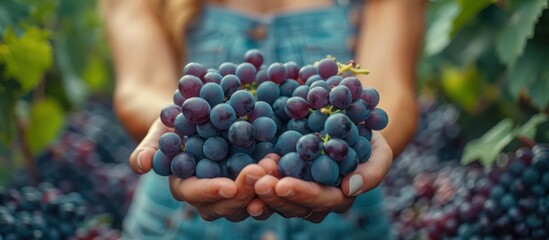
{"points": [[222, 35]]}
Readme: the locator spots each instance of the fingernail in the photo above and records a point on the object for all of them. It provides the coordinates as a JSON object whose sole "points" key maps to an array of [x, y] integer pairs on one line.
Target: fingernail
{"points": [[355, 184], [267, 193], [289, 193], [257, 214], [224, 195], [250, 180], [139, 166]]}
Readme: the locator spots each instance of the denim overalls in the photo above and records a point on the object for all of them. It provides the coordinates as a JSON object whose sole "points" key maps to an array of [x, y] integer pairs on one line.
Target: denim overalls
{"points": [[222, 35]]}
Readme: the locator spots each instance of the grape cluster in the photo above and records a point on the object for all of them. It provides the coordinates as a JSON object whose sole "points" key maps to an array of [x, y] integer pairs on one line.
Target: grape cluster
{"points": [[319, 118], [40, 213]]}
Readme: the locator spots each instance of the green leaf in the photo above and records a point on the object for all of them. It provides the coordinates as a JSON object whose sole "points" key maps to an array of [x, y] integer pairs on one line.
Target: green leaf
{"points": [[95, 74], [438, 33], [529, 129], [527, 69], [539, 92], [7, 110], [27, 57], [486, 148], [46, 121], [468, 10], [518, 29]]}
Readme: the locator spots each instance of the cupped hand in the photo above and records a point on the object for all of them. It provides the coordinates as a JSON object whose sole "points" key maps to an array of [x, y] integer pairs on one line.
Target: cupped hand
{"points": [[214, 198], [293, 197]]}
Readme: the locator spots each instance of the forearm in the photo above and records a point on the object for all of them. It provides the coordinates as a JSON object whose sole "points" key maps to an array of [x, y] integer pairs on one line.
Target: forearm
{"points": [[389, 44]]}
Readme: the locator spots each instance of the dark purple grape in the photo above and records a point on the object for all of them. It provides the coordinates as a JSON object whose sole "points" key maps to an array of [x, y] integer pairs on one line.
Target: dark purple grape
{"points": [[306, 71], [301, 125], [364, 131], [207, 130], [215, 148], [288, 87], [194, 146], [348, 164], [363, 149], [301, 91], [189, 86], [265, 129], [290, 165], [279, 106], [338, 125], [312, 79], [183, 127], [317, 98], [168, 115], [242, 133], [261, 109], [371, 96], [241, 149], [377, 120], [297, 108], [262, 149], [212, 93], [255, 57], [178, 99], [287, 142], [326, 68], [170, 144], [316, 121], [195, 69], [227, 68], [222, 116], [268, 92], [243, 102], [277, 73], [340, 97], [183, 165], [161, 163], [246, 72], [292, 70], [237, 162], [354, 85], [320, 83], [530, 176], [230, 84], [358, 111], [261, 76], [334, 81], [196, 110], [324, 170], [212, 77], [206, 168], [309, 147], [507, 201], [337, 149]]}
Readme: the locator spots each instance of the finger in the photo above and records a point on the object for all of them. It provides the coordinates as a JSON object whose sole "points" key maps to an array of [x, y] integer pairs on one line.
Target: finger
{"points": [[246, 180], [270, 164], [311, 195], [317, 217], [265, 189], [369, 175], [198, 192], [258, 209], [141, 158]]}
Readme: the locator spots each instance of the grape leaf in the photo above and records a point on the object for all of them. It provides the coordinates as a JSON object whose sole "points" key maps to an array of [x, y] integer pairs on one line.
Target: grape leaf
{"points": [[45, 123], [7, 106], [529, 128], [527, 69], [437, 36], [27, 57], [486, 148], [468, 10], [518, 29], [539, 92]]}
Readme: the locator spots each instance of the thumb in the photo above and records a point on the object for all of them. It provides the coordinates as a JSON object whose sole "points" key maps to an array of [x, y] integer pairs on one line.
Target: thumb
{"points": [[141, 158]]}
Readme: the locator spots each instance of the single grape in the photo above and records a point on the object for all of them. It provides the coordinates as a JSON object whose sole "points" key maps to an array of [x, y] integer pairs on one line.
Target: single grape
{"points": [[288, 87], [207, 130], [317, 97], [268, 92], [326, 68], [301, 91], [354, 85], [306, 71], [301, 125], [183, 126], [348, 164], [196, 110], [242, 133], [340, 97], [530, 176], [312, 79], [243, 102], [195, 69], [261, 109], [377, 120], [338, 125], [168, 115], [352, 136], [287, 142], [189, 86], [358, 111], [316, 120], [222, 116], [297, 108], [309, 147], [227, 68], [212, 77], [194, 146], [324, 170], [320, 83], [255, 57], [279, 106], [363, 149], [206, 168], [236, 163], [230, 84], [364, 131], [265, 129], [183, 165], [337, 149], [334, 81], [277, 73], [262, 149], [261, 76], [212, 93], [246, 72], [178, 99], [371, 96], [215, 148], [161, 163], [292, 70], [290, 165], [170, 144]]}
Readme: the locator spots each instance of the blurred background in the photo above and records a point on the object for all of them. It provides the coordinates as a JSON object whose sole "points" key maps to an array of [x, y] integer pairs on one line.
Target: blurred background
{"points": [[483, 84]]}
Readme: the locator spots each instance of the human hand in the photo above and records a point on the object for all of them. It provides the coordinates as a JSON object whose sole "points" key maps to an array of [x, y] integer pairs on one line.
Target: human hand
{"points": [[214, 198], [293, 197]]}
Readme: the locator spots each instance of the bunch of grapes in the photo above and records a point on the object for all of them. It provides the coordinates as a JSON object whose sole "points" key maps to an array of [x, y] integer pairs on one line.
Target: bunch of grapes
{"points": [[318, 118], [40, 213]]}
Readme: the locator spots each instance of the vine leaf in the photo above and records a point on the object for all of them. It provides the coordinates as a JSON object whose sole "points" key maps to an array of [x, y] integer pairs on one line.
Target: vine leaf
{"points": [[45, 123], [468, 10], [511, 41]]}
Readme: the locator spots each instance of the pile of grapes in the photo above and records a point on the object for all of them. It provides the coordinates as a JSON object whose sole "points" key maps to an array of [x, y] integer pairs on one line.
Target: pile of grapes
{"points": [[319, 118], [429, 195]]}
